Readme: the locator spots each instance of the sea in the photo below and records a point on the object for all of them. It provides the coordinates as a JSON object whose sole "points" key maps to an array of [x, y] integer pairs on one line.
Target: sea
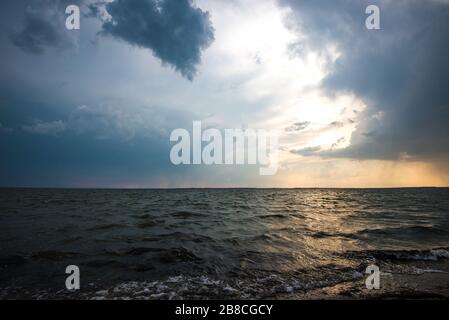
{"points": [[212, 243]]}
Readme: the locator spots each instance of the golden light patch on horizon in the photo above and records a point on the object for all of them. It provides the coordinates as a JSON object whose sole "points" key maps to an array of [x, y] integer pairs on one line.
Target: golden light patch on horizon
{"points": [[345, 173]]}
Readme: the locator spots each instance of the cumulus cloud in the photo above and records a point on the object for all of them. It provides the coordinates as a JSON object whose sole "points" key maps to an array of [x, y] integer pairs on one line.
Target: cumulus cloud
{"points": [[100, 123], [103, 122], [175, 31], [111, 122], [46, 128], [43, 26], [400, 72]]}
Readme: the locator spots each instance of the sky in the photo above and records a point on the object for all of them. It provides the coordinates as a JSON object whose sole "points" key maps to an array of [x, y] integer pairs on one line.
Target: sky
{"points": [[95, 107]]}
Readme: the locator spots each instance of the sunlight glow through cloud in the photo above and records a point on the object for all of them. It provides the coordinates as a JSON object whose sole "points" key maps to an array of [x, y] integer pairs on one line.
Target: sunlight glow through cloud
{"points": [[254, 44]]}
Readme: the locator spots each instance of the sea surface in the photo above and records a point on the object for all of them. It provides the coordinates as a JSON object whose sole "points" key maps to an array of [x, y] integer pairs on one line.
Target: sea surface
{"points": [[211, 243]]}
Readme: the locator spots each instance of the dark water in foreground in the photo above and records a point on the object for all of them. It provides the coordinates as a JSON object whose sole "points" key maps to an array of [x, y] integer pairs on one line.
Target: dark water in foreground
{"points": [[212, 243]]}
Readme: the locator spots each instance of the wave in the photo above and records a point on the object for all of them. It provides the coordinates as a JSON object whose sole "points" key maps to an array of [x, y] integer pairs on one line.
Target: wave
{"points": [[107, 226], [54, 255], [433, 255], [184, 214], [202, 287], [273, 216], [413, 230], [405, 255], [206, 287], [137, 251]]}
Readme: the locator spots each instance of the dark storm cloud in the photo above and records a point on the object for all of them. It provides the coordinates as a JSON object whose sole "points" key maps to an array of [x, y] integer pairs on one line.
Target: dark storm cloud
{"points": [[43, 26], [298, 126], [175, 30], [401, 71], [93, 9]]}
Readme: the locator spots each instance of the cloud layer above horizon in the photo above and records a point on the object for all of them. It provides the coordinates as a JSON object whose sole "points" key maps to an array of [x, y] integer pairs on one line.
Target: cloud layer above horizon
{"points": [[95, 107]]}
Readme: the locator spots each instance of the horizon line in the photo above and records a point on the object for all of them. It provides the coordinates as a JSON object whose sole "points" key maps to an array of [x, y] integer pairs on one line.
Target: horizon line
{"points": [[214, 188]]}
